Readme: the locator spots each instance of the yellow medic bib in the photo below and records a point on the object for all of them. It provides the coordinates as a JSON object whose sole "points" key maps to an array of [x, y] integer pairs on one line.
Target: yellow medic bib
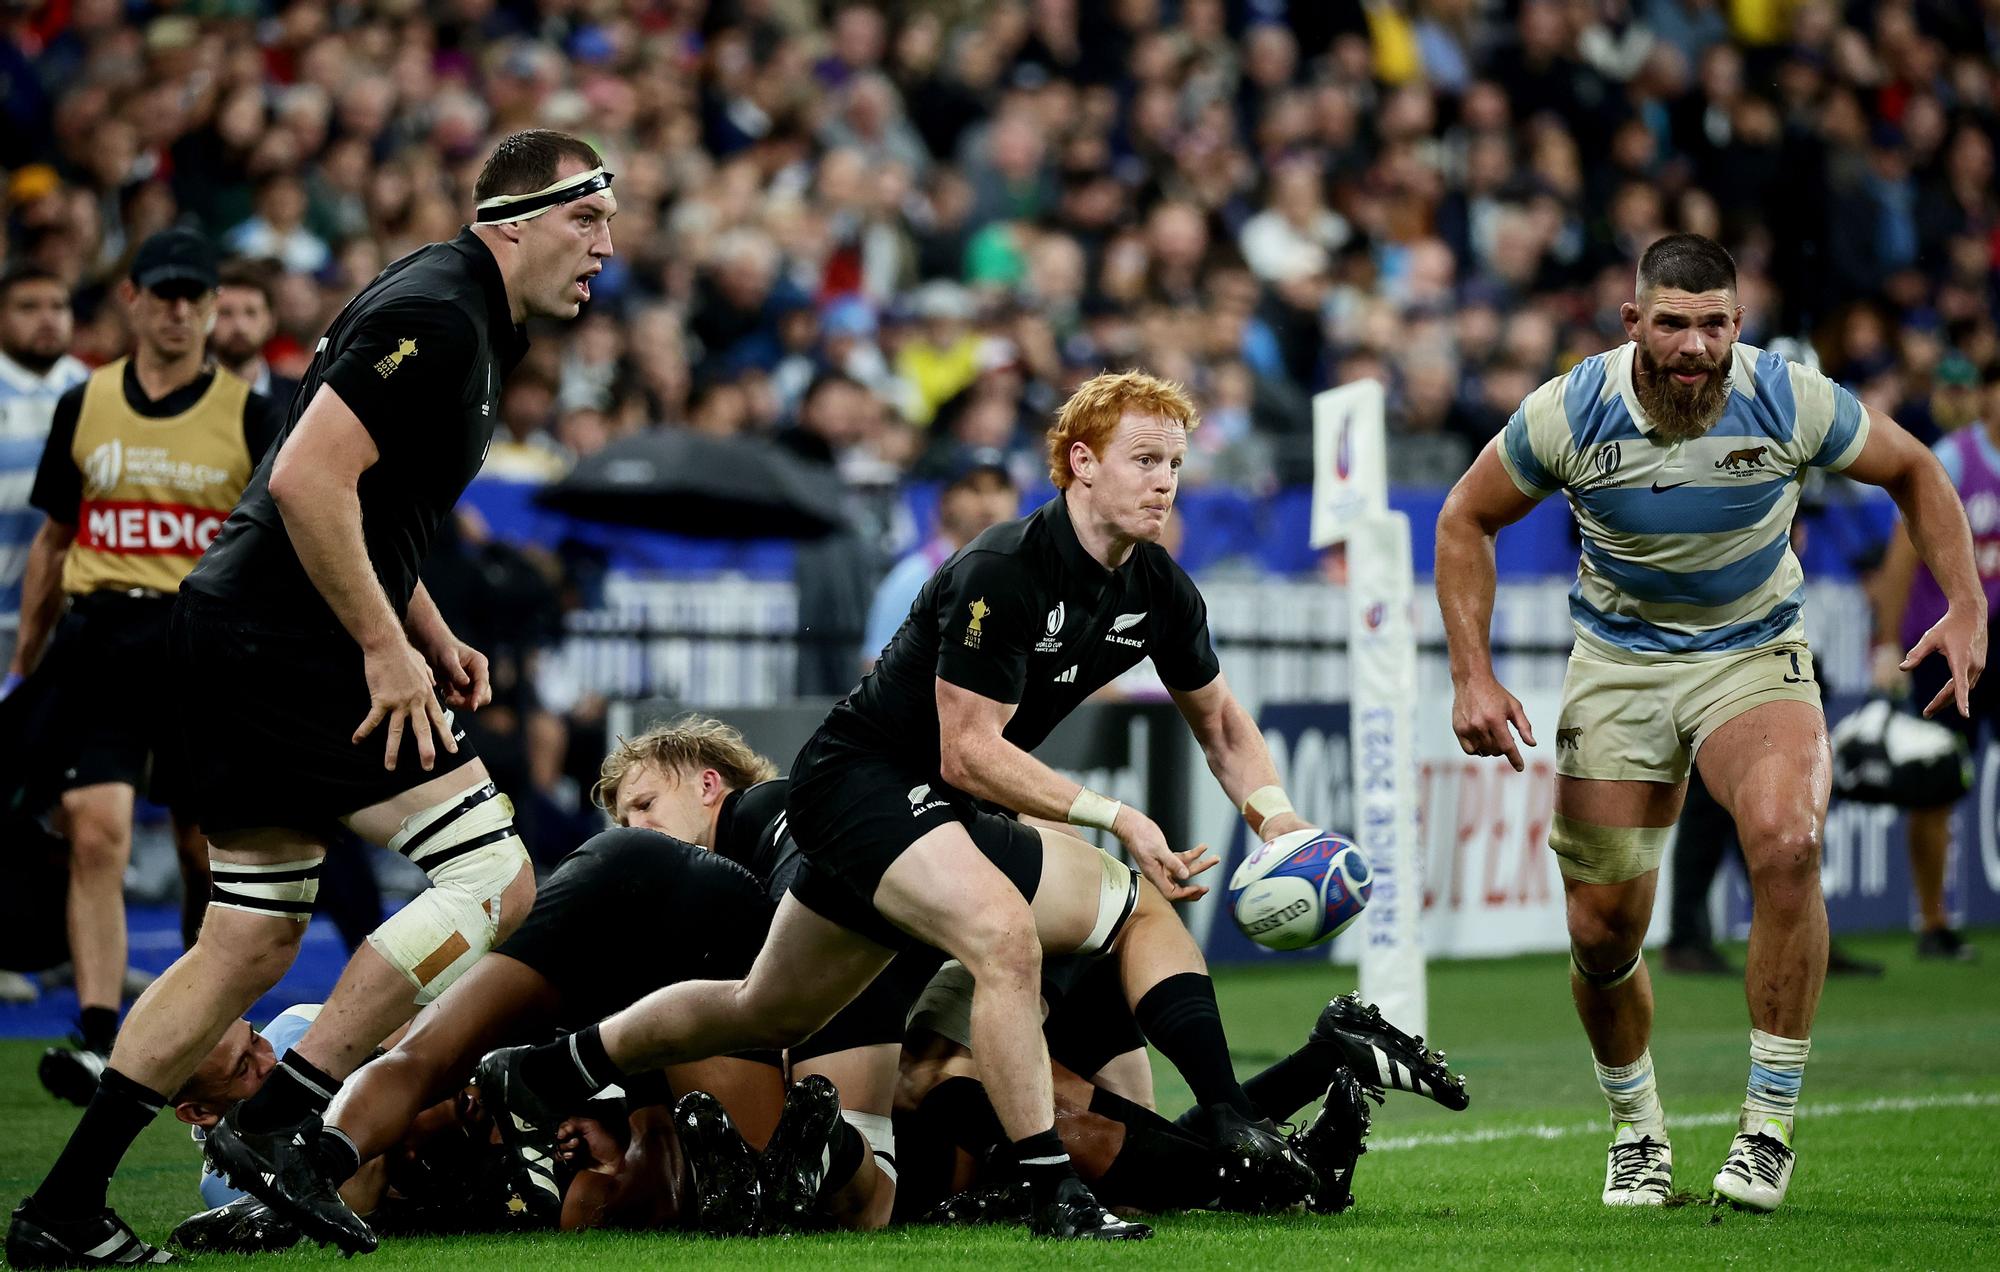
{"points": [[155, 491]]}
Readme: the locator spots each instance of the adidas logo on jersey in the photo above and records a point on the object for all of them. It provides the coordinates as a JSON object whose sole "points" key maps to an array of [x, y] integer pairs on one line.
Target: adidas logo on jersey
{"points": [[1067, 677]]}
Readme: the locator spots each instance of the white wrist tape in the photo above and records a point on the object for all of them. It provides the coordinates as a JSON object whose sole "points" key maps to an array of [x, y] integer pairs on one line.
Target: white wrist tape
{"points": [[1093, 810], [1264, 803]]}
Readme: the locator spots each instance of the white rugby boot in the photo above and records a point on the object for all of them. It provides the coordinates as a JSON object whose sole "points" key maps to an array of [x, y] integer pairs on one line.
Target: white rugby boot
{"points": [[1640, 1169], [1758, 1169]]}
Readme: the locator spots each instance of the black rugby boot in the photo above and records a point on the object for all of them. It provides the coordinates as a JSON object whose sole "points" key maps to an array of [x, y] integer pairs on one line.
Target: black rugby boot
{"points": [[722, 1196], [244, 1226], [1382, 1055], [793, 1167], [101, 1241], [1332, 1142], [1261, 1172], [279, 1168], [1073, 1213]]}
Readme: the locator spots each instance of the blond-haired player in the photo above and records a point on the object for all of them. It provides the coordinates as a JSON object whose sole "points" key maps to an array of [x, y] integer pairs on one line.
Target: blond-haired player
{"points": [[1681, 454]]}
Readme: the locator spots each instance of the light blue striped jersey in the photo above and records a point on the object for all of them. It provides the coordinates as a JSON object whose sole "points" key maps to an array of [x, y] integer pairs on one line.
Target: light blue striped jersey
{"points": [[27, 404], [1686, 545]]}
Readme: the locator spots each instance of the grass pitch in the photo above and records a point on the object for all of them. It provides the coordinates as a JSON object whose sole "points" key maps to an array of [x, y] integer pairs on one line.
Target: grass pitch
{"points": [[1899, 1145]]}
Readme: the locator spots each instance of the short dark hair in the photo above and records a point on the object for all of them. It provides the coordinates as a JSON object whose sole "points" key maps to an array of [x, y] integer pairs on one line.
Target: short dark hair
{"points": [[254, 275], [1686, 262], [526, 161], [28, 272]]}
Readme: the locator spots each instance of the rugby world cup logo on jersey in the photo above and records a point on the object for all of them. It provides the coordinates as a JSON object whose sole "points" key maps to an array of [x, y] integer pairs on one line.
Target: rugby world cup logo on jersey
{"points": [[1049, 643], [1605, 462], [1124, 623], [973, 635], [104, 467]]}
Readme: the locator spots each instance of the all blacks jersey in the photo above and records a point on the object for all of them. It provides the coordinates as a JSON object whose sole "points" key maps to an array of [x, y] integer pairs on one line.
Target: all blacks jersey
{"points": [[1023, 615]]}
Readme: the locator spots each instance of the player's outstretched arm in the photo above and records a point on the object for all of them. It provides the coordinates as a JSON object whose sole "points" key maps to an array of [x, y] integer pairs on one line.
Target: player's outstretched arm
{"points": [[1483, 714], [1237, 755], [975, 757], [1935, 520], [315, 481]]}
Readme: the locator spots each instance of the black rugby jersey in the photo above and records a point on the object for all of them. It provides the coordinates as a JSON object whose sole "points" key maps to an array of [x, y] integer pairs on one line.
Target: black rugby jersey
{"points": [[751, 832], [1024, 615], [419, 356]]}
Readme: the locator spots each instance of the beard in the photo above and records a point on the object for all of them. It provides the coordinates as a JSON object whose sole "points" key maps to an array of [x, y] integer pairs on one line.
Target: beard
{"points": [[1680, 412], [36, 360]]}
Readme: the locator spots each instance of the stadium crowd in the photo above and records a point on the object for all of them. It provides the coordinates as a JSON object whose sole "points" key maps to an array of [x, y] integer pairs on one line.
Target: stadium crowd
{"points": [[890, 232]]}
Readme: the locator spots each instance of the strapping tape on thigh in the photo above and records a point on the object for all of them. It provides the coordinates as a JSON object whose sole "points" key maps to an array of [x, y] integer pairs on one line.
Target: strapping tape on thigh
{"points": [[1589, 853], [1117, 897], [279, 889]]}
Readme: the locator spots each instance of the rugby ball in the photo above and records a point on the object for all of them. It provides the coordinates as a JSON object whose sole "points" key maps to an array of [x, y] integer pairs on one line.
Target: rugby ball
{"points": [[1300, 889]]}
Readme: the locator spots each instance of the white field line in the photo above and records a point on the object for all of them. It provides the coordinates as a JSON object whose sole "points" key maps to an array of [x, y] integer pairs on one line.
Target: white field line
{"points": [[1598, 1126]]}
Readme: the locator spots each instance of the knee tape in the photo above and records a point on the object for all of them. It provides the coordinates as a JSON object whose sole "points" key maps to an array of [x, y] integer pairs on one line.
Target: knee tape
{"points": [[1605, 980], [468, 847], [279, 890], [1589, 853], [880, 1133], [1117, 897]]}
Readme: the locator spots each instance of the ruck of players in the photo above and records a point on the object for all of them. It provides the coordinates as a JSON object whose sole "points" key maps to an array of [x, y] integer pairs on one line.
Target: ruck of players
{"points": [[893, 985]]}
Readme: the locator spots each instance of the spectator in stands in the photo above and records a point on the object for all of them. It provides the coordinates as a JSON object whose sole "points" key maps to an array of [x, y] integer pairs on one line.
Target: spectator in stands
{"points": [[244, 324]]}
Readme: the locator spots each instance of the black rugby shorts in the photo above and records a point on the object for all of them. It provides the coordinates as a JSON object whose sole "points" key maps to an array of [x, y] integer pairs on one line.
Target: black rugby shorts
{"points": [[267, 719], [854, 812]]}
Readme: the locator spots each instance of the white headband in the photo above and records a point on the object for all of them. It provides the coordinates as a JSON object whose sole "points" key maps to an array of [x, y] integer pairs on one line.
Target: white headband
{"points": [[502, 208]]}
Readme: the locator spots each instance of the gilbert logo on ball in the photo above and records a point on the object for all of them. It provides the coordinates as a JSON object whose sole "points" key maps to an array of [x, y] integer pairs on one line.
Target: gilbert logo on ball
{"points": [[1300, 889]]}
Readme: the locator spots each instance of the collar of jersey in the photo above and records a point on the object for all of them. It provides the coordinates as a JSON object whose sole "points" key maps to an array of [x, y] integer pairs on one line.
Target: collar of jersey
{"points": [[508, 338], [1087, 568]]}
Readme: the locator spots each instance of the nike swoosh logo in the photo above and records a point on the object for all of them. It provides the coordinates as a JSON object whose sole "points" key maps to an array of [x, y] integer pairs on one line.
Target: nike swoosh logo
{"points": [[1658, 488]]}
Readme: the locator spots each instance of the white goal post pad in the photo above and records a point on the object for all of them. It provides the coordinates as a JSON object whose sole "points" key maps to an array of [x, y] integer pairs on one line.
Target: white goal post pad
{"points": [[1350, 459]]}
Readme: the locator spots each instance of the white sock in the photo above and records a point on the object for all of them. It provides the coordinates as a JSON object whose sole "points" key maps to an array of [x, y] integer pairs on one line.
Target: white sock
{"points": [[1633, 1094], [1777, 1069]]}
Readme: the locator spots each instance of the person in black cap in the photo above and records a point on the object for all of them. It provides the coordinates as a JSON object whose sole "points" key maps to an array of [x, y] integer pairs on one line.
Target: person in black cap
{"points": [[980, 493], [144, 460], [306, 648]]}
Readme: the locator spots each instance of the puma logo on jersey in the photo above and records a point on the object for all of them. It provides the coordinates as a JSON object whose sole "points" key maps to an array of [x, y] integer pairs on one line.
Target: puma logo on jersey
{"points": [[1748, 457]]}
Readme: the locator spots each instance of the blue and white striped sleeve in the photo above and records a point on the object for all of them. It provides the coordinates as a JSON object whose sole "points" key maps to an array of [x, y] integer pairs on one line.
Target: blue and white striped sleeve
{"points": [[1832, 424], [1532, 445]]}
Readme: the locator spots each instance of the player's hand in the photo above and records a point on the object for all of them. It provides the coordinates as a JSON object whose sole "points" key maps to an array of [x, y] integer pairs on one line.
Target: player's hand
{"points": [[402, 690], [1170, 871], [462, 669], [1485, 717], [1961, 637], [586, 1144]]}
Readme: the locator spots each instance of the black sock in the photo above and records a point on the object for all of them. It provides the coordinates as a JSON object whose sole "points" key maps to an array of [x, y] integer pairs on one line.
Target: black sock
{"points": [[295, 1092], [959, 1109], [76, 1184], [1179, 1016], [848, 1150], [98, 1028], [1043, 1163], [1294, 1082], [571, 1069], [1160, 1166], [336, 1154]]}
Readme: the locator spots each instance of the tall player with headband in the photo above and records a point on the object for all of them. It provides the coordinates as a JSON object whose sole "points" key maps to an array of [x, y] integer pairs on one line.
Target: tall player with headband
{"points": [[306, 648]]}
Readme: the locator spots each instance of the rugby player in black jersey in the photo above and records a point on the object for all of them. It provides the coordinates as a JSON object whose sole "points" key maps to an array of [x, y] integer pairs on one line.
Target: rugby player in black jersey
{"points": [[304, 647], [1010, 635]]}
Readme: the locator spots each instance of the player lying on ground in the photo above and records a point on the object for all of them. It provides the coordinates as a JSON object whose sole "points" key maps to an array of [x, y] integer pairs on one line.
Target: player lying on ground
{"points": [[629, 913], [1127, 1152], [1009, 637], [1681, 454]]}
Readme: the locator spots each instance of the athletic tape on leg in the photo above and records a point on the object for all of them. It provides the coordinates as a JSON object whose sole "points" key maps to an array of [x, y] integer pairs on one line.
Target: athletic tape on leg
{"points": [[468, 846], [278, 890], [1117, 897], [1605, 980], [1589, 853], [880, 1133]]}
